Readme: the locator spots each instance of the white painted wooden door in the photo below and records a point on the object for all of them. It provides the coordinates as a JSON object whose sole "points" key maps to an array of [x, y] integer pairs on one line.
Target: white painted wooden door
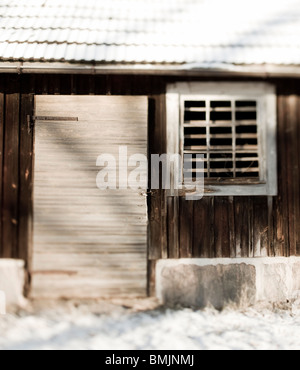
{"points": [[88, 243]]}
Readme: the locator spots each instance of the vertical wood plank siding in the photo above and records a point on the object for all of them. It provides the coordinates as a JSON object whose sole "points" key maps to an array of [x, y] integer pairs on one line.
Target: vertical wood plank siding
{"points": [[25, 222], [158, 247], [249, 226], [211, 227], [2, 107], [10, 215]]}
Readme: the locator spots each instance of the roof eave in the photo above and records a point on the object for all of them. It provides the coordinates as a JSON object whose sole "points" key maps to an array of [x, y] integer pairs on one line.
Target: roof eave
{"points": [[207, 70]]}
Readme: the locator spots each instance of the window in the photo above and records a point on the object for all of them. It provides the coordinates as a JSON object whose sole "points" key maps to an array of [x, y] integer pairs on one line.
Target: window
{"points": [[233, 127], [225, 133]]}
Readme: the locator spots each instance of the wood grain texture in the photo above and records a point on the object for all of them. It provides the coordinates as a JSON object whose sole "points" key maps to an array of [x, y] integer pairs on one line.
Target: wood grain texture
{"points": [[281, 204], [293, 173], [155, 237], [158, 242], [10, 216], [152, 278], [88, 242], [242, 226], [1, 164], [173, 227], [202, 228], [222, 229], [186, 230], [260, 227], [25, 233], [231, 220], [297, 190], [164, 201]]}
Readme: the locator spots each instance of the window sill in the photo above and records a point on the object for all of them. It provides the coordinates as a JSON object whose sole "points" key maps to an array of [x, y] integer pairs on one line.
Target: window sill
{"points": [[232, 182], [229, 190]]}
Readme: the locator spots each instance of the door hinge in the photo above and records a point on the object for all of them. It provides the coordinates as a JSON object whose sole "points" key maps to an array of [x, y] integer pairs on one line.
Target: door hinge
{"points": [[52, 118]]}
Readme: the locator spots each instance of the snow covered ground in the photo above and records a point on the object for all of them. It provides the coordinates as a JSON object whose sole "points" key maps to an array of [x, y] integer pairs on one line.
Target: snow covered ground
{"points": [[108, 326]]}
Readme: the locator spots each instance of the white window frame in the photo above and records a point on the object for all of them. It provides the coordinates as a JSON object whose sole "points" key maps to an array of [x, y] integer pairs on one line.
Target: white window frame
{"points": [[265, 95]]}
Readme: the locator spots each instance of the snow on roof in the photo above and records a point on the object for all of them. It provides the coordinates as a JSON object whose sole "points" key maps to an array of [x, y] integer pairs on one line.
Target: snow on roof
{"points": [[177, 32]]}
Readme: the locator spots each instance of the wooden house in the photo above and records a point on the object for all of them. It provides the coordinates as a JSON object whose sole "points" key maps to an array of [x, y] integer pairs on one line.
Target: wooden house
{"points": [[81, 78]]}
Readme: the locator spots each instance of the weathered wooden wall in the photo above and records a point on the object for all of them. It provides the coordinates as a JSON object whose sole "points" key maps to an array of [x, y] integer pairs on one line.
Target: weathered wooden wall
{"points": [[16, 153], [212, 227], [216, 227], [16, 145]]}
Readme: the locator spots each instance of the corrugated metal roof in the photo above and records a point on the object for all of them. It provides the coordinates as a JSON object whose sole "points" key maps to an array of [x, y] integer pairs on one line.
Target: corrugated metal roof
{"points": [[151, 31]]}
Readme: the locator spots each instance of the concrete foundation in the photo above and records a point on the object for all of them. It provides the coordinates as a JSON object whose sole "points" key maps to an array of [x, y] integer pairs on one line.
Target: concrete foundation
{"points": [[11, 283], [221, 282]]}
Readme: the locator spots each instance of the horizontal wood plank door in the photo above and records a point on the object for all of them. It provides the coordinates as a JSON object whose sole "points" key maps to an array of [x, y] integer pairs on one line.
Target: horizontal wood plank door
{"points": [[88, 243]]}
